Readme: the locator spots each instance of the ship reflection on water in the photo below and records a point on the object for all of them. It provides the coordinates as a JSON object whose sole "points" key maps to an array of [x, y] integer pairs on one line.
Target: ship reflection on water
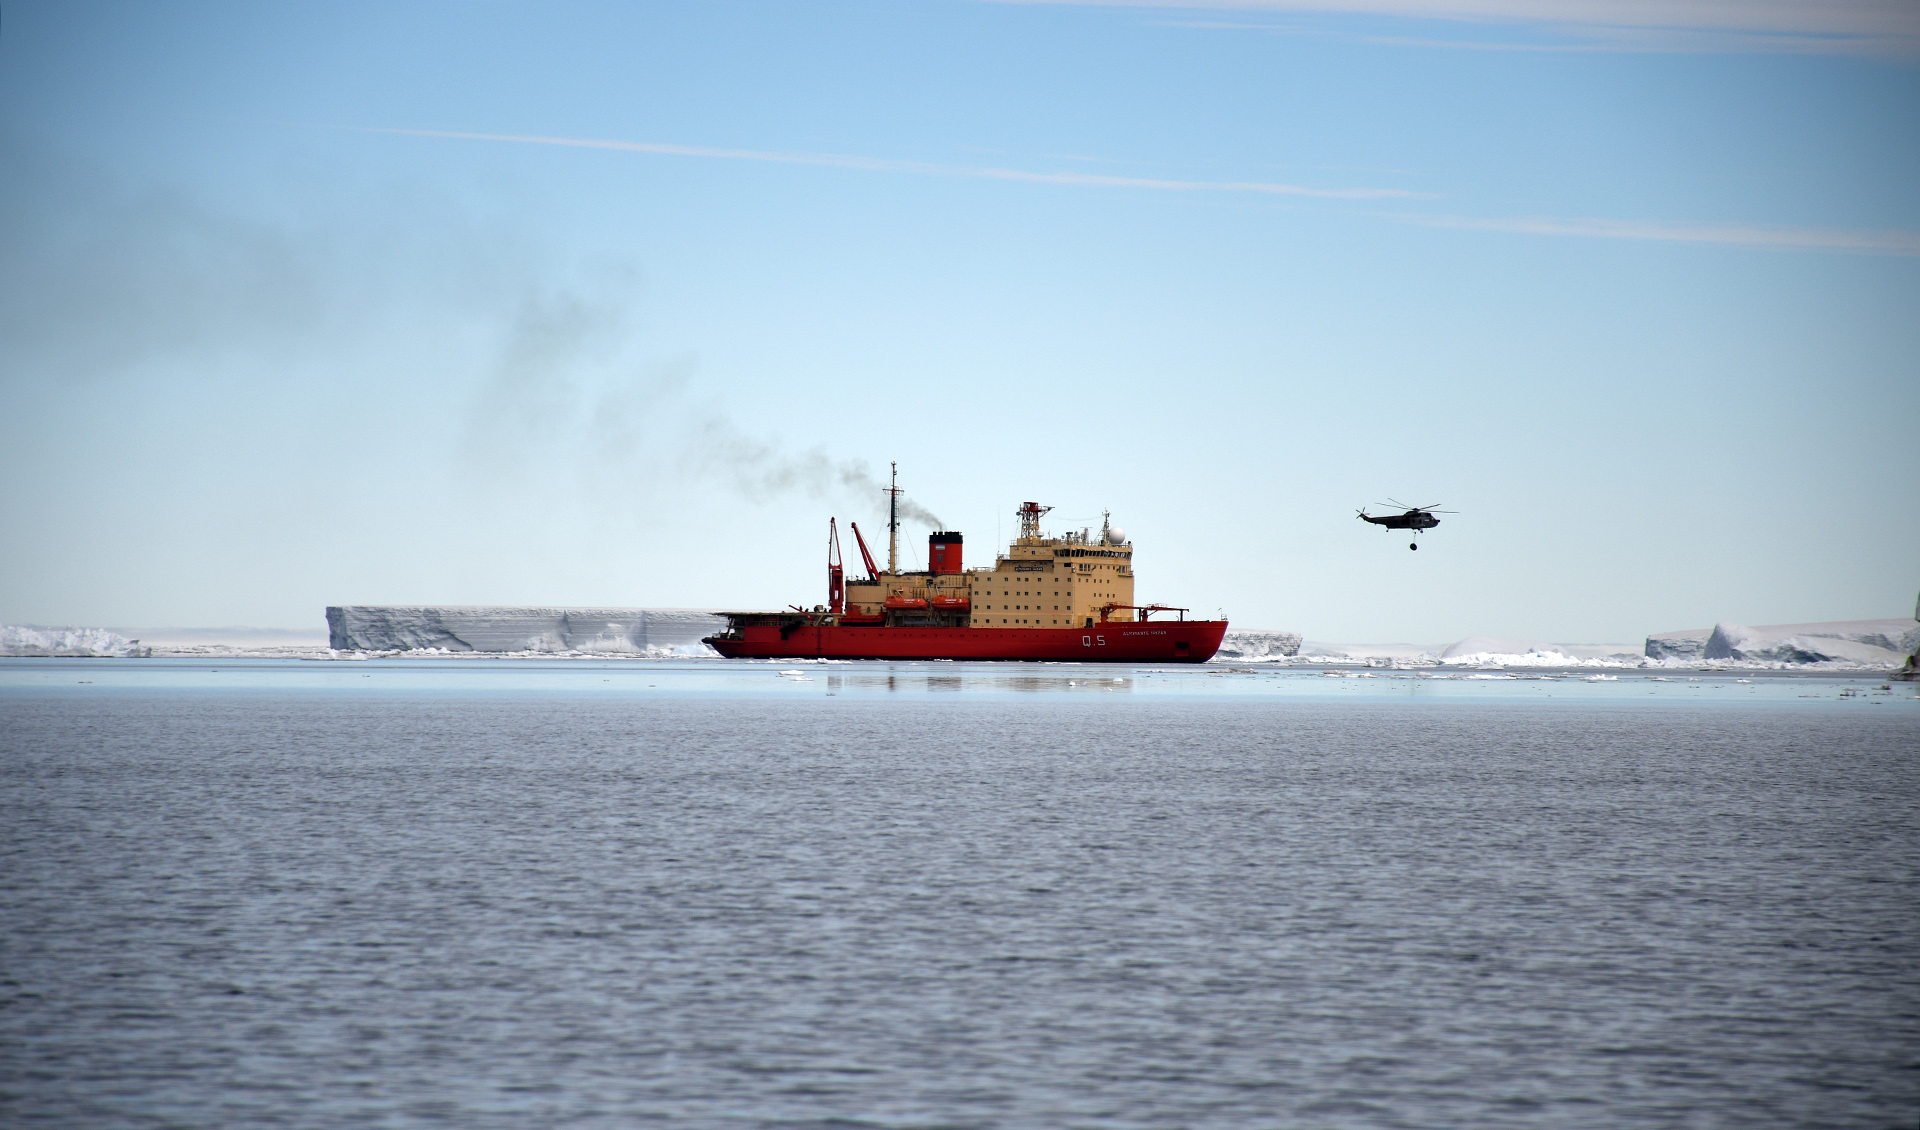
{"points": [[986, 682]]}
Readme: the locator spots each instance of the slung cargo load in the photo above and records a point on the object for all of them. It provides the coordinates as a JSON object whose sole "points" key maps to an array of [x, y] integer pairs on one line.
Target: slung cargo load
{"points": [[1046, 598]]}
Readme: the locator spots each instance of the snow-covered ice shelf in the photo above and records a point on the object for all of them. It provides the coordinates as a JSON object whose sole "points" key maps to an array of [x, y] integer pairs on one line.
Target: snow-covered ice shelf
{"points": [[1846, 641]]}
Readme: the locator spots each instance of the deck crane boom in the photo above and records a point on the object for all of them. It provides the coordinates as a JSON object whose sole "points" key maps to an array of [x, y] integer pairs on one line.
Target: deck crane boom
{"points": [[873, 574]]}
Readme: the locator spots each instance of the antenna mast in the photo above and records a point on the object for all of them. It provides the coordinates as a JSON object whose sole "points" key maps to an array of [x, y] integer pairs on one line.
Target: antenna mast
{"points": [[893, 522]]}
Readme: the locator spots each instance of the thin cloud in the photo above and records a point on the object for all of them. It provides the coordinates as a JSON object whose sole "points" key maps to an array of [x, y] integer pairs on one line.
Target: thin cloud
{"points": [[1604, 40], [1388, 40], [1832, 27], [1696, 41], [890, 165], [1885, 242]]}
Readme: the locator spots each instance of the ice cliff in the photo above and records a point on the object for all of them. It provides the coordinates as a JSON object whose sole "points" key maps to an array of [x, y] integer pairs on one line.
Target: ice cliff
{"points": [[91, 642], [611, 631], [1259, 645], [1846, 641]]}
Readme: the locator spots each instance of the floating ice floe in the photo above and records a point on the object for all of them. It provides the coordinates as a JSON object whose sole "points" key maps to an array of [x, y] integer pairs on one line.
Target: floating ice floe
{"points": [[1474, 651], [1484, 651], [1371, 655]]}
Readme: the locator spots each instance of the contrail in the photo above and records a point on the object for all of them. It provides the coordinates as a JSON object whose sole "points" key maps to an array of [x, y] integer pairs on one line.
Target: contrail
{"points": [[921, 168], [1885, 242]]}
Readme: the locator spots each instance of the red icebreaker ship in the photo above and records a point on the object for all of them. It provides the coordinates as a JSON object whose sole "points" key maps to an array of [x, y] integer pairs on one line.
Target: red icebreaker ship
{"points": [[1054, 598]]}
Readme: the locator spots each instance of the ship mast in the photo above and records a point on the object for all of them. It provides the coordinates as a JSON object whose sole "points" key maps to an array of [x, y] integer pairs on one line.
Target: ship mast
{"points": [[893, 522]]}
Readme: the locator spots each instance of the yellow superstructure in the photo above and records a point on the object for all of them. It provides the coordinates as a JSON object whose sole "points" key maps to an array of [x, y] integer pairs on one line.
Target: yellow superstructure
{"points": [[1078, 580]]}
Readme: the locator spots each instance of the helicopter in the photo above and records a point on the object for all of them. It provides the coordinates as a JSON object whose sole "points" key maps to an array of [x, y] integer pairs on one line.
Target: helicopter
{"points": [[1416, 518]]}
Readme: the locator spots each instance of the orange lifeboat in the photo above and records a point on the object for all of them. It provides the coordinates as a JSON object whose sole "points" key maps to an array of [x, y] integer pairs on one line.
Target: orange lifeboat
{"points": [[906, 604], [952, 603]]}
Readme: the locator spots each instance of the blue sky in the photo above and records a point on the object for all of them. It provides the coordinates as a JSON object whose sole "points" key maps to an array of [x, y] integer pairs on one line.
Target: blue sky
{"points": [[610, 304]]}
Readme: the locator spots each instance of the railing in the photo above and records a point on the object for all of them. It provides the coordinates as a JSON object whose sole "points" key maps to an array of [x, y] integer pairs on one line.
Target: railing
{"points": [[1146, 611]]}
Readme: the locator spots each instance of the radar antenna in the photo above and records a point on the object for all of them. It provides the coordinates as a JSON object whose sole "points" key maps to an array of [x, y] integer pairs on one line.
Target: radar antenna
{"points": [[1030, 513]]}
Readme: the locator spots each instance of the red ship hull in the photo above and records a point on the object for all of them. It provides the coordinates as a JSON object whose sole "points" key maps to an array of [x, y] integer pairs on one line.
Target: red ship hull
{"points": [[1151, 641]]}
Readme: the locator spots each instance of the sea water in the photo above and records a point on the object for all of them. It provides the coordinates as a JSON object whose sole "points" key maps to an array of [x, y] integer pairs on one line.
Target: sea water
{"points": [[709, 894]]}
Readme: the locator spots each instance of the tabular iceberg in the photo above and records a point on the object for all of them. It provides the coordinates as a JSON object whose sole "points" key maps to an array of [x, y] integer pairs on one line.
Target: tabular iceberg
{"points": [[1688, 644], [610, 631]]}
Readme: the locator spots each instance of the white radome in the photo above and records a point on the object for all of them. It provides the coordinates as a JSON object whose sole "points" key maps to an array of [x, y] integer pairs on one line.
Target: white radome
{"points": [[1116, 536]]}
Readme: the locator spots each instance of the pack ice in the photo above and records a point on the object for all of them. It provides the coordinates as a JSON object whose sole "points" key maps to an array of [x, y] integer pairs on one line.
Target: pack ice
{"points": [[1492, 651], [609, 631]]}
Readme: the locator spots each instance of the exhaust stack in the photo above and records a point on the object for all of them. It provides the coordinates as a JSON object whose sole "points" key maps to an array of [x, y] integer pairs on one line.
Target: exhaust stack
{"points": [[943, 551]]}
